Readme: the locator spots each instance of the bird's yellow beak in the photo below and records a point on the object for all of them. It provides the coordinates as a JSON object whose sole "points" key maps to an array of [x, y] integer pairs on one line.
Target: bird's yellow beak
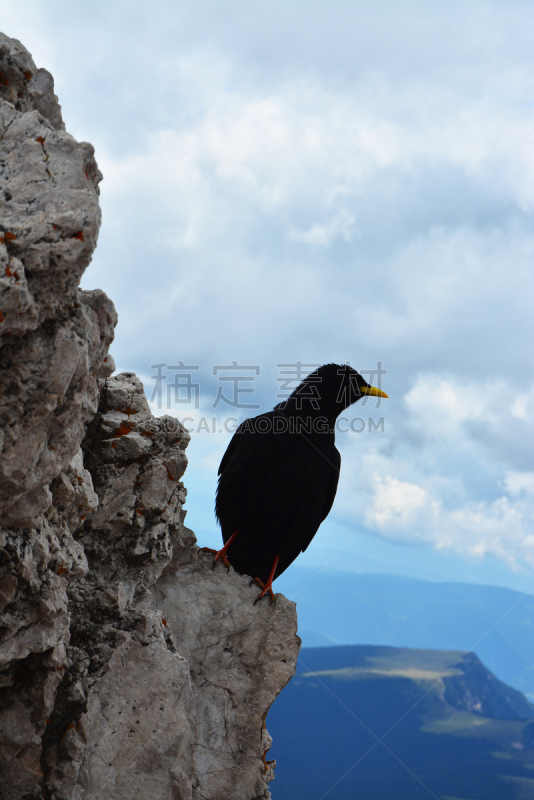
{"points": [[373, 391]]}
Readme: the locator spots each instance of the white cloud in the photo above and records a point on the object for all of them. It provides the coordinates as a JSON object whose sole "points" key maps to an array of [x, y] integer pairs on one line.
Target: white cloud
{"points": [[503, 528], [395, 503], [517, 483], [340, 226], [440, 405]]}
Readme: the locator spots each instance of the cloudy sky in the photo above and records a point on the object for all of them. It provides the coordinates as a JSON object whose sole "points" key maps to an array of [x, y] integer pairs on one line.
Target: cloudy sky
{"points": [[325, 181]]}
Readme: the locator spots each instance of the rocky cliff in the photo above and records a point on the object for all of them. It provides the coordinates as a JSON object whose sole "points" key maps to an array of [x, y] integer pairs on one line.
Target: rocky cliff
{"points": [[128, 667]]}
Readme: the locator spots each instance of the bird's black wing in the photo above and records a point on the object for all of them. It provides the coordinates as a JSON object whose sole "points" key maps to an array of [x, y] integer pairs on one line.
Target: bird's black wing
{"points": [[244, 469], [231, 449], [330, 489]]}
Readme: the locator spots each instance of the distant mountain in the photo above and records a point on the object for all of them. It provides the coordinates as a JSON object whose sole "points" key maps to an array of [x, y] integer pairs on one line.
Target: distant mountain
{"points": [[383, 723], [349, 608]]}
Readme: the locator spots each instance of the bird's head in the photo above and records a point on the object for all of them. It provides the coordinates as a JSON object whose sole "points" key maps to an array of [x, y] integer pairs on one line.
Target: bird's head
{"points": [[329, 390]]}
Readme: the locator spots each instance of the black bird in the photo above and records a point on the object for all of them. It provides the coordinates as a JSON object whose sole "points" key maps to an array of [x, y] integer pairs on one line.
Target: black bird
{"points": [[279, 475]]}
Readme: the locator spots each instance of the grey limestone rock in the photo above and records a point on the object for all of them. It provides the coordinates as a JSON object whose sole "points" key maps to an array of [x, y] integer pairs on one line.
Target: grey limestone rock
{"points": [[128, 667], [53, 342], [53, 339]]}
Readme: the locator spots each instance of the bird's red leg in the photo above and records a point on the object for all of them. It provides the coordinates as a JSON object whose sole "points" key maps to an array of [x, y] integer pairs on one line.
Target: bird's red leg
{"points": [[221, 554], [267, 587]]}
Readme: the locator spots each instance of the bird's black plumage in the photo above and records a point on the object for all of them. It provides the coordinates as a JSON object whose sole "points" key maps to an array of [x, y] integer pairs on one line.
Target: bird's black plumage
{"points": [[279, 475]]}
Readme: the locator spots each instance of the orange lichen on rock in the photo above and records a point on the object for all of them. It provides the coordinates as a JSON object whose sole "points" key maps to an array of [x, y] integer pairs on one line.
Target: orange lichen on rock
{"points": [[169, 474], [124, 429], [127, 410], [69, 726]]}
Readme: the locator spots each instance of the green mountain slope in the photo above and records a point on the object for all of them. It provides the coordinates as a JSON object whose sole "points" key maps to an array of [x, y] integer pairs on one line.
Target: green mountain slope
{"points": [[375, 723]]}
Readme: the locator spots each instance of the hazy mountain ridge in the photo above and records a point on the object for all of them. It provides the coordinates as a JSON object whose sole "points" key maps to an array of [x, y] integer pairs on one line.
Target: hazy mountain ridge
{"points": [[402, 723], [478, 691], [462, 681], [493, 622]]}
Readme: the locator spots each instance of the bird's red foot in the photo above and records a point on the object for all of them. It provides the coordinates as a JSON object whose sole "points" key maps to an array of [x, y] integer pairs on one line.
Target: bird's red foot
{"points": [[266, 587], [220, 555]]}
